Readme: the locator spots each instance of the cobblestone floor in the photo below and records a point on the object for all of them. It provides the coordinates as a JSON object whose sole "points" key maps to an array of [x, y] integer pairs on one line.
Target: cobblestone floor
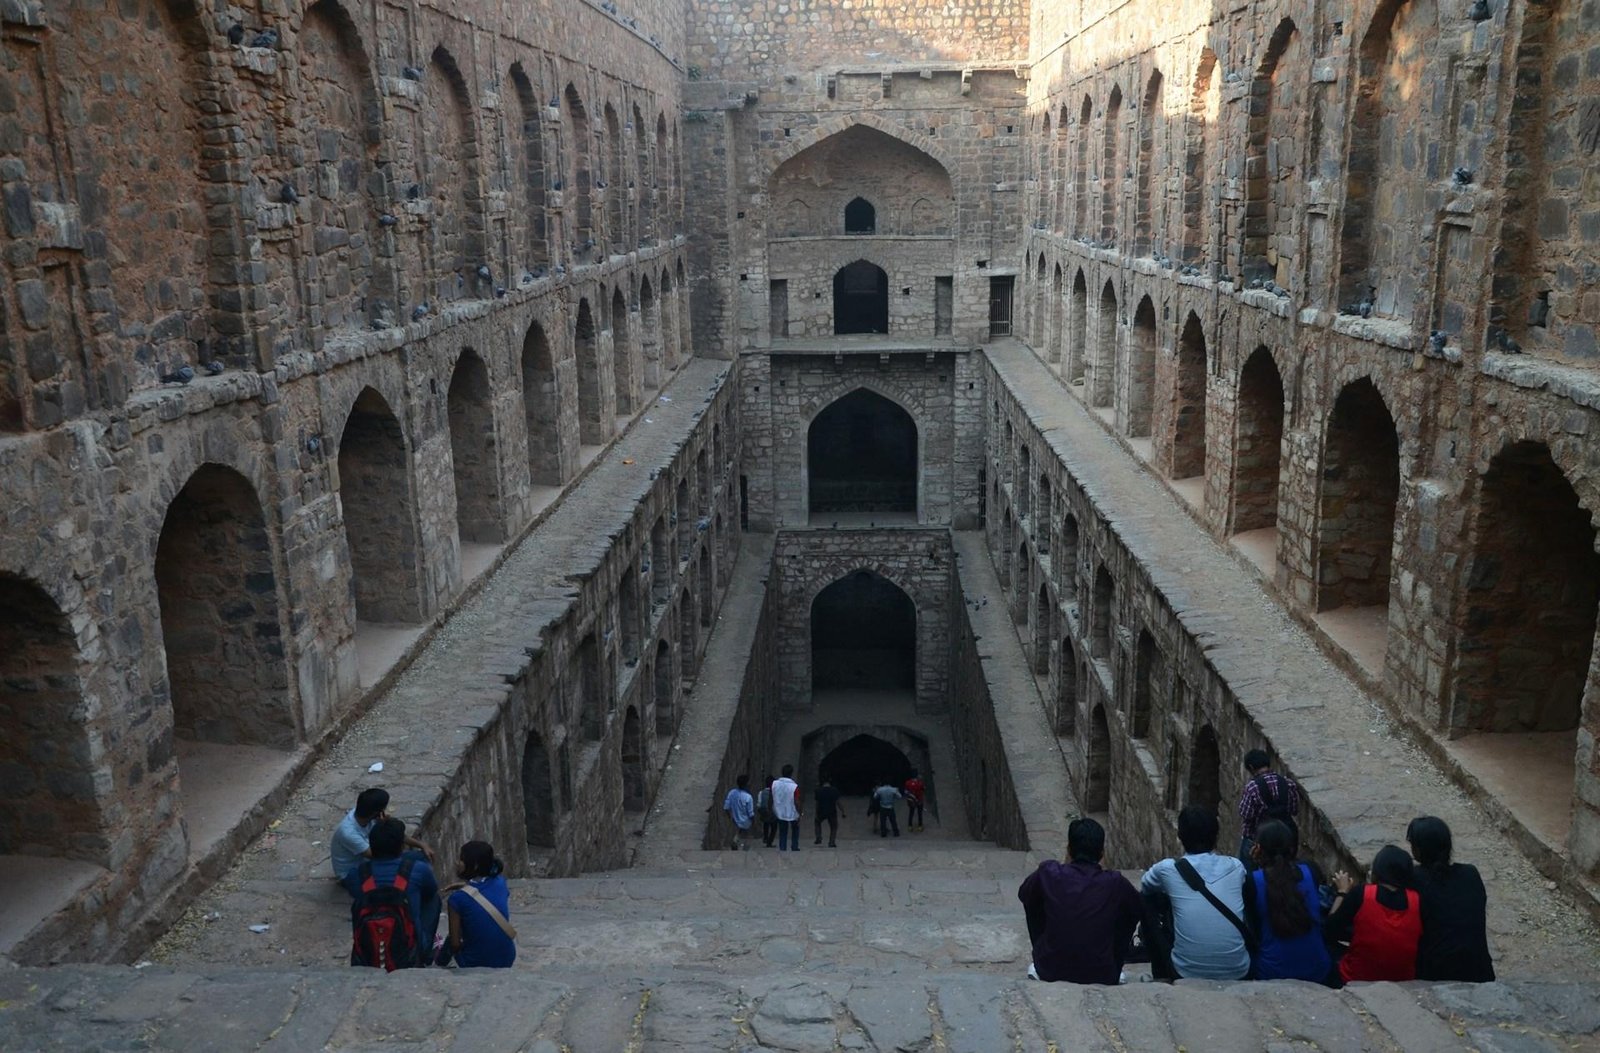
{"points": [[683, 1011]]}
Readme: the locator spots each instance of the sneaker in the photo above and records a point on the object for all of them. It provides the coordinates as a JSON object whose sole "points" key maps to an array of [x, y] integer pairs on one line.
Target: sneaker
{"points": [[1033, 973], [818, 841]]}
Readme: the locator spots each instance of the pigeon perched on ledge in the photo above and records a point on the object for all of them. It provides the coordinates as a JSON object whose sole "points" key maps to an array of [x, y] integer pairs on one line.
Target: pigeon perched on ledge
{"points": [[181, 375]]}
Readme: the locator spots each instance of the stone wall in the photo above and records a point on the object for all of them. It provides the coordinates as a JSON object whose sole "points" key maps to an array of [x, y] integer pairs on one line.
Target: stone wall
{"points": [[943, 126], [309, 210], [1147, 724], [742, 39], [918, 562], [748, 750], [1345, 314], [784, 393], [993, 811]]}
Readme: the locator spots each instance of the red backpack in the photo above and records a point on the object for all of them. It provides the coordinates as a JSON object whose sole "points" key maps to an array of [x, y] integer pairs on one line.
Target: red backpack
{"points": [[385, 934]]}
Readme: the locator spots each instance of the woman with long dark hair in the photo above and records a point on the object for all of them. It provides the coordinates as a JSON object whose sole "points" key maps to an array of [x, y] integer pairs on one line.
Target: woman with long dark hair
{"points": [[1282, 906], [480, 912], [1380, 918], [1455, 940]]}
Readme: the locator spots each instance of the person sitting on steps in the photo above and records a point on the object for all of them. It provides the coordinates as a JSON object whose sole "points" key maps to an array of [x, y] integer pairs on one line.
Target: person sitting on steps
{"points": [[1455, 941], [1080, 917], [479, 912], [1203, 893], [1381, 920]]}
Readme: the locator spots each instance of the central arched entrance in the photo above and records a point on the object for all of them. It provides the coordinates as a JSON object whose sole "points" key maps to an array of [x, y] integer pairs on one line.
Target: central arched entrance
{"points": [[861, 299], [861, 456], [859, 765], [863, 636]]}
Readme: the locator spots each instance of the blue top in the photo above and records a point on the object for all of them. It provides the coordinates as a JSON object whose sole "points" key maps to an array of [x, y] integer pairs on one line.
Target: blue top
{"points": [[1303, 957], [348, 845], [740, 806], [423, 886], [483, 944]]}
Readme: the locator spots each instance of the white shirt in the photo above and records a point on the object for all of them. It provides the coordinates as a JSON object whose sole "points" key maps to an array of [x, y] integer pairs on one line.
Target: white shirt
{"points": [[783, 799]]}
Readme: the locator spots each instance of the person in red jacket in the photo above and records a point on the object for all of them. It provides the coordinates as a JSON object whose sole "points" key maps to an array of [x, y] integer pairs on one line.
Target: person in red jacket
{"points": [[1381, 919], [914, 791]]}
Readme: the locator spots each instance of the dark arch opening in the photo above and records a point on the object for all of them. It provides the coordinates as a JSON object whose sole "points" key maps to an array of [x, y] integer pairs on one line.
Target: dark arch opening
{"points": [[1258, 444], [594, 423], [665, 682], [861, 456], [861, 299], [1067, 692], [1205, 770], [1097, 787], [1100, 617], [1360, 492], [622, 354], [51, 807], [472, 451], [541, 404], [538, 801], [1146, 680], [859, 765], [863, 636], [375, 494], [1142, 351], [226, 667], [634, 784], [860, 217], [1189, 403], [1532, 589]]}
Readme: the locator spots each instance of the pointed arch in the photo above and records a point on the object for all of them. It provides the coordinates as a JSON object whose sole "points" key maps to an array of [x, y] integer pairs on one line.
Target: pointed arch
{"points": [[527, 178], [862, 455], [1143, 344], [1205, 114], [580, 175], [1257, 443], [473, 451], [541, 407], [450, 175], [1189, 402], [377, 498], [1080, 170], [1271, 159], [1359, 500], [1111, 168], [1144, 203], [624, 354], [595, 421]]}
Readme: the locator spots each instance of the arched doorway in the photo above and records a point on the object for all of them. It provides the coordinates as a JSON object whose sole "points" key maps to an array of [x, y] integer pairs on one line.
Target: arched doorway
{"points": [[375, 494], [538, 801], [220, 619], [1189, 402], [541, 408], [1097, 787], [859, 765], [1258, 442], [50, 807], [666, 675], [472, 451], [633, 780], [861, 299], [863, 636], [860, 217], [1533, 585], [1205, 770], [1067, 692], [861, 456], [1360, 491], [1146, 681]]}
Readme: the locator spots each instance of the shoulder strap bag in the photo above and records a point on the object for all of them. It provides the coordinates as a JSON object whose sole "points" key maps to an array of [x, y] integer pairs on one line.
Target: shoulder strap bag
{"points": [[1192, 878], [491, 910]]}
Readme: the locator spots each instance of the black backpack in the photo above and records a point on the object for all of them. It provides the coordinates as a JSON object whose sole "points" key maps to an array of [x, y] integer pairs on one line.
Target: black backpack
{"points": [[384, 932]]}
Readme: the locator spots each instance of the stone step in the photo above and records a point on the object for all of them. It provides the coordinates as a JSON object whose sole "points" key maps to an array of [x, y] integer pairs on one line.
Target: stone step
{"points": [[688, 1011]]}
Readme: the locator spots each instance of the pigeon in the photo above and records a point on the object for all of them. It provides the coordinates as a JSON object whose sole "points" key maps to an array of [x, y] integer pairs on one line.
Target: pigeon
{"points": [[214, 367], [555, 184], [600, 184], [419, 312], [414, 191], [181, 375], [1364, 308], [265, 39], [499, 292], [485, 273], [1256, 284], [1463, 176], [288, 194], [236, 34], [411, 73], [561, 268], [1437, 340], [1479, 11], [387, 220]]}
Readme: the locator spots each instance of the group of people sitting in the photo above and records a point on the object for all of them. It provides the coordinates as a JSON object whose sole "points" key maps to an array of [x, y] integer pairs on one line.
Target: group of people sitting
{"points": [[1263, 915], [396, 899], [777, 805]]}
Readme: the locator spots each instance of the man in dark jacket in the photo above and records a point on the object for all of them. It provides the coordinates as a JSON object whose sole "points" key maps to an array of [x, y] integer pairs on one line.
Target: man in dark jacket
{"points": [[1080, 918]]}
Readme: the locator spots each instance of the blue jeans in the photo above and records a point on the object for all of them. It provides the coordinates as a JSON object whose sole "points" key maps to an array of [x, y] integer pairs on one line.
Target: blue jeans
{"points": [[789, 835]]}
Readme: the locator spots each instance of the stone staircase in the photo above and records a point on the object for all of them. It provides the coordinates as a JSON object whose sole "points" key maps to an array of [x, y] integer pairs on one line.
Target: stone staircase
{"points": [[874, 946]]}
